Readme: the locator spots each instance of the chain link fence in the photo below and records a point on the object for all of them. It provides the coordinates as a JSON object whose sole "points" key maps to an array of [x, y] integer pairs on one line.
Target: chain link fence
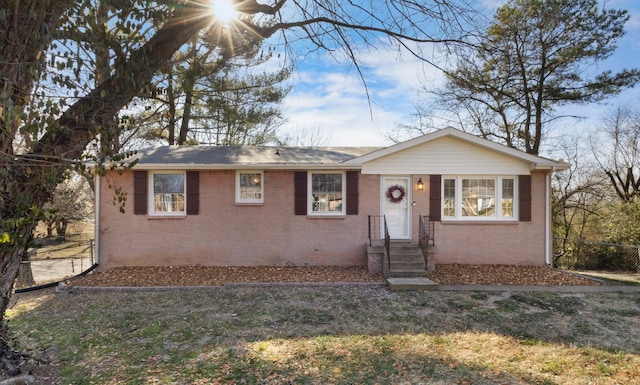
{"points": [[44, 268], [579, 254]]}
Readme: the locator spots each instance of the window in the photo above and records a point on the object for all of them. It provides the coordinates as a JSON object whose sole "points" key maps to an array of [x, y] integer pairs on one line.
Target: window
{"points": [[167, 191], [303, 199], [249, 187], [507, 198], [479, 198], [449, 195], [326, 193], [167, 196]]}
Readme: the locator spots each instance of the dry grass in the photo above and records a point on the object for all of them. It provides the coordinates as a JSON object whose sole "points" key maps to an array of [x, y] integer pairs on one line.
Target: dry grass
{"points": [[67, 249], [75, 244], [620, 278], [338, 335]]}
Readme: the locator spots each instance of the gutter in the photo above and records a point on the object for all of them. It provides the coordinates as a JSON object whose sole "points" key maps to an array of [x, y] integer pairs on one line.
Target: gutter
{"points": [[547, 215], [96, 221]]}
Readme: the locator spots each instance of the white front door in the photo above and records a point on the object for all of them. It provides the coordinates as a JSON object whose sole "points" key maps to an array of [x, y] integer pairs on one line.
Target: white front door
{"points": [[396, 206]]}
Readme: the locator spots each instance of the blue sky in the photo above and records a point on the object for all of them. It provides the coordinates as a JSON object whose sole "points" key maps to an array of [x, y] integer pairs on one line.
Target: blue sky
{"points": [[329, 97]]}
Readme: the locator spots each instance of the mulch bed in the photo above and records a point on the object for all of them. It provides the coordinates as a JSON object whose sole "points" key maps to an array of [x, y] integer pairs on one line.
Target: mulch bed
{"points": [[454, 274], [445, 274]]}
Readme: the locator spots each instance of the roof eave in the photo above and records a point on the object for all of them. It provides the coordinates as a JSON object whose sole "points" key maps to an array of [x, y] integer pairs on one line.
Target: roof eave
{"points": [[245, 166]]}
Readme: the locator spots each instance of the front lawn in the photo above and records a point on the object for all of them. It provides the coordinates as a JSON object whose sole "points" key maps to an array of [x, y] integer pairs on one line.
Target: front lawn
{"points": [[339, 335]]}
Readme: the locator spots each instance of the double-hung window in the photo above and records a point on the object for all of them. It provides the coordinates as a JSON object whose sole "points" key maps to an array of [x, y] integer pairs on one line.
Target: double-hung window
{"points": [[167, 191], [250, 187], [327, 192], [479, 198]]}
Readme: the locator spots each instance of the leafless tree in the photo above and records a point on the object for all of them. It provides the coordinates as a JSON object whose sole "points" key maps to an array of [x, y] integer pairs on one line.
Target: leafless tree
{"points": [[619, 153], [305, 136], [579, 194]]}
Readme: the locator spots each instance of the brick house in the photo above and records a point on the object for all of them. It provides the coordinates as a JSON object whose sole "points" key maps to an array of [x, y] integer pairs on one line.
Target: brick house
{"points": [[252, 206]]}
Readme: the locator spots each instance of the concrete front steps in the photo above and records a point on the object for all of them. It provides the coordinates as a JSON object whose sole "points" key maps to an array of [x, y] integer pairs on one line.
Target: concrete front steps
{"points": [[406, 260], [411, 283], [407, 269]]}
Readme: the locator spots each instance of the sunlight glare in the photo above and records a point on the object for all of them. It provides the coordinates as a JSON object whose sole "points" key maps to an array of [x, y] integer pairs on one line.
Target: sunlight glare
{"points": [[224, 10]]}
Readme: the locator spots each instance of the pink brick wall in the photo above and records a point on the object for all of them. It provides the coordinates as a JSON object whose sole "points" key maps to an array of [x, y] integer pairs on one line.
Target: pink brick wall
{"points": [[228, 234], [521, 243], [270, 234]]}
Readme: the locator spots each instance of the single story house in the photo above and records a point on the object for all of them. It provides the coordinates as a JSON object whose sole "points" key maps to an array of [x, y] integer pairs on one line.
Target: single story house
{"points": [[256, 206]]}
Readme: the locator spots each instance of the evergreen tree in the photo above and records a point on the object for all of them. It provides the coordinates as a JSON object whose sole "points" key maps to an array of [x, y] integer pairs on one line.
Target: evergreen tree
{"points": [[535, 56]]}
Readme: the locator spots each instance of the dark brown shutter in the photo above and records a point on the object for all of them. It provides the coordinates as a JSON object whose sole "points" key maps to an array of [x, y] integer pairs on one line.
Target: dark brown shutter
{"points": [[435, 197], [524, 191], [193, 192], [352, 192], [140, 183], [300, 194]]}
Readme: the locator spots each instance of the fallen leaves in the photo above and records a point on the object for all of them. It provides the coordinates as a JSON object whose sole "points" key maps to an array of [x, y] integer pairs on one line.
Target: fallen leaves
{"points": [[459, 274], [445, 274], [217, 276]]}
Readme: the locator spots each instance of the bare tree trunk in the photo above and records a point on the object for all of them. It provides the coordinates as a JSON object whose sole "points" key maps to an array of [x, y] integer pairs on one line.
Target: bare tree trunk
{"points": [[186, 115], [171, 97], [10, 260], [10, 266], [61, 227], [25, 274], [50, 227]]}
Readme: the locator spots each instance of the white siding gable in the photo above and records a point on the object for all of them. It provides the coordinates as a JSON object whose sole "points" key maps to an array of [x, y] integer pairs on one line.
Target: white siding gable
{"points": [[446, 155]]}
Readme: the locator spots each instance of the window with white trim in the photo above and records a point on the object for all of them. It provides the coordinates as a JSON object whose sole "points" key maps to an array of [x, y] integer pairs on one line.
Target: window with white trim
{"points": [[479, 198], [167, 193], [249, 187], [326, 193]]}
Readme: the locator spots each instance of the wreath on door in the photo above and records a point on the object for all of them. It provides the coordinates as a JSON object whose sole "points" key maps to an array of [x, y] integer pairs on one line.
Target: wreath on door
{"points": [[396, 193]]}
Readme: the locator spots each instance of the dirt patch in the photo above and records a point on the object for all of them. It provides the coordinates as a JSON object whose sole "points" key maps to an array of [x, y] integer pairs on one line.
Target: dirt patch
{"points": [[445, 274]]}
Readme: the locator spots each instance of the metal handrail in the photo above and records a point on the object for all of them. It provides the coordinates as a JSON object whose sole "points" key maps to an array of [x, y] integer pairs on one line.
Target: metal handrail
{"points": [[423, 239], [432, 231], [378, 225], [387, 242]]}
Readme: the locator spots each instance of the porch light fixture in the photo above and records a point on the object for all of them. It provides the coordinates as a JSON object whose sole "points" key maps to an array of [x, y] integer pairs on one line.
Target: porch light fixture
{"points": [[420, 184]]}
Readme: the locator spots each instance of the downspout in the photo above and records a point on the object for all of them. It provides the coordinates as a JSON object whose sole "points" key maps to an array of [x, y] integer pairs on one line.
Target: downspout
{"points": [[96, 227], [547, 214]]}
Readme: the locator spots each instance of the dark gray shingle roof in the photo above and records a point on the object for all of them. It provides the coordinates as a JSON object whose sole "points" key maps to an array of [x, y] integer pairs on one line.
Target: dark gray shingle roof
{"points": [[248, 155]]}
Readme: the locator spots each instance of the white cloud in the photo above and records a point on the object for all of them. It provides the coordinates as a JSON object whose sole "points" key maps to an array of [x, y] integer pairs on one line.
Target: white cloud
{"points": [[331, 96], [344, 117]]}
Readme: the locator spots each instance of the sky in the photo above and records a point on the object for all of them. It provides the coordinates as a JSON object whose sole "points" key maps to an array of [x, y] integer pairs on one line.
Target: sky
{"points": [[330, 98]]}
